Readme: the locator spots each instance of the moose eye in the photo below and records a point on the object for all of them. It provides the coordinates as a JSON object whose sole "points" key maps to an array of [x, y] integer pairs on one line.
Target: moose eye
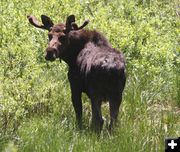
{"points": [[62, 38]]}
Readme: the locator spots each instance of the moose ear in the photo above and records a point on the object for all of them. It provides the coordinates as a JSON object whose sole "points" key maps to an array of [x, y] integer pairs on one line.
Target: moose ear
{"points": [[47, 22], [69, 20]]}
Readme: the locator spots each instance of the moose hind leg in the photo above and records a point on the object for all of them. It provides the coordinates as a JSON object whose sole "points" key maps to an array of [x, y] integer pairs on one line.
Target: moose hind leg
{"points": [[97, 120], [114, 105]]}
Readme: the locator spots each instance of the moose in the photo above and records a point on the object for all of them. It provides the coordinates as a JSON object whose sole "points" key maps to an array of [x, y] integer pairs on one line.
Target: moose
{"points": [[94, 66]]}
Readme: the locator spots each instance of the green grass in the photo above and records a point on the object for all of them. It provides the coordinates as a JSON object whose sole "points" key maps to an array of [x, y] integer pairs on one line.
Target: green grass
{"points": [[140, 129], [36, 113]]}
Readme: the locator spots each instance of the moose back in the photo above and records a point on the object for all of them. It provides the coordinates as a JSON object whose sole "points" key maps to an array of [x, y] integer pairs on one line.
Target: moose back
{"points": [[95, 68]]}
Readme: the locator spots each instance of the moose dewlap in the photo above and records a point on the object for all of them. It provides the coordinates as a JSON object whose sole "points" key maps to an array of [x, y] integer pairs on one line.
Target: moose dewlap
{"points": [[95, 68]]}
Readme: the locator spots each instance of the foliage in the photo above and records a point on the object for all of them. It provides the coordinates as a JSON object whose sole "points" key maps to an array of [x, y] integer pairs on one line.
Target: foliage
{"points": [[36, 113]]}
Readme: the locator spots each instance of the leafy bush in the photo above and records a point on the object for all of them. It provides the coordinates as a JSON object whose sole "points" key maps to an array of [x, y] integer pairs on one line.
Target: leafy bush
{"points": [[146, 31]]}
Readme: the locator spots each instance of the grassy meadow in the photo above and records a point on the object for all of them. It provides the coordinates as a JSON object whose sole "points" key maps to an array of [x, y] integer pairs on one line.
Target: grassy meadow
{"points": [[36, 113]]}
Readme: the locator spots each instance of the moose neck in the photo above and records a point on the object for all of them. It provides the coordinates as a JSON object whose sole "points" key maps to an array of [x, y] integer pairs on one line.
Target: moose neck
{"points": [[71, 53], [79, 41]]}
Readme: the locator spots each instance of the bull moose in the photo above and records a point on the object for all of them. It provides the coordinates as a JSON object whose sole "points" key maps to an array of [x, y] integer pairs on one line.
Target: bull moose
{"points": [[95, 67]]}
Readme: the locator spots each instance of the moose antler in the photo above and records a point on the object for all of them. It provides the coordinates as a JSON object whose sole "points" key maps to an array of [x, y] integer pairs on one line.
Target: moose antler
{"points": [[75, 26], [84, 24], [47, 23], [34, 22]]}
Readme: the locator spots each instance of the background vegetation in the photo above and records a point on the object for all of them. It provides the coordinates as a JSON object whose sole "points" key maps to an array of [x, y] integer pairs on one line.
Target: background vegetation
{"points": [[36, 113]]}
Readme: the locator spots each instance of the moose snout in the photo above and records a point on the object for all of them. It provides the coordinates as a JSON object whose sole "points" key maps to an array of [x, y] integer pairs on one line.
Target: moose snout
{"points": [[51, 54]]}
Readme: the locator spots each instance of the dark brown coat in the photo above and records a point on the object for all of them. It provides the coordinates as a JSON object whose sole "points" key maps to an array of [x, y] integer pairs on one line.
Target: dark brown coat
{"points": [[95, 68]]}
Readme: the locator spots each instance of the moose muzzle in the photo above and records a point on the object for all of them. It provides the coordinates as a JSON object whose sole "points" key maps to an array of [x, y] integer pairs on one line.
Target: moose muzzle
{"points": [[51, 54]]}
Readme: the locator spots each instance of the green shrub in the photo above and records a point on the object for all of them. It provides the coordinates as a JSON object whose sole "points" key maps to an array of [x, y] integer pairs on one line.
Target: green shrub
{"points": [[147, 32]]}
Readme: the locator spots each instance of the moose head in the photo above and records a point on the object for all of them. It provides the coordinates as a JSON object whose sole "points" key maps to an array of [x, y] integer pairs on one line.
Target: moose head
{"points": [[58, 34]]}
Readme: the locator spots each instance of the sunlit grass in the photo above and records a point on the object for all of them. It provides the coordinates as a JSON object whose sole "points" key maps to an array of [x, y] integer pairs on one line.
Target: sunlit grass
{"points": [[141, 128]]}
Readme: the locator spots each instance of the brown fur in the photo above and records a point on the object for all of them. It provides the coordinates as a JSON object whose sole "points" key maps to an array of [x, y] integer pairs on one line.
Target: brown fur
{"points": [[94, 67]]}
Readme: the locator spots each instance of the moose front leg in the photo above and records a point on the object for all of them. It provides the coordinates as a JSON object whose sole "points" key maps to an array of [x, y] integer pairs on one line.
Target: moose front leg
{"points": [[76, 93], [77, 104]]}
